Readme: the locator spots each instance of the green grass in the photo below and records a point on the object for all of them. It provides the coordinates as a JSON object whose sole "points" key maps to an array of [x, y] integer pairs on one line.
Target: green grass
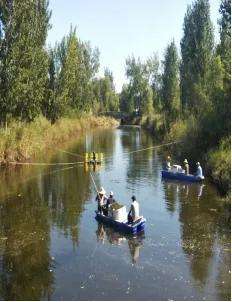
{"points": [[22, 141], [220, 165]]}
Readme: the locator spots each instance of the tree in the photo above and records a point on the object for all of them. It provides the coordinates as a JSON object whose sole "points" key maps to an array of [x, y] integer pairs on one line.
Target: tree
{"points": [[197, 49], [77, 65], [170, 90], [24, 61], [147, 101], [104, 95], [139, 75], [108, 73], [224, 48], [126, 100]]}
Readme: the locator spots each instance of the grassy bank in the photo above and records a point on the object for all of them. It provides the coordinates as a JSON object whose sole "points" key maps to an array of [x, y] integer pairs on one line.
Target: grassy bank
{"points": [[196, 146], [22, 141], [216, 159]]}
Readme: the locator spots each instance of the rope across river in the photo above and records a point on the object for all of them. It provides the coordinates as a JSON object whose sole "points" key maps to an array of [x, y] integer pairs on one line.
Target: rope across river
{"points": [[82, 162]]}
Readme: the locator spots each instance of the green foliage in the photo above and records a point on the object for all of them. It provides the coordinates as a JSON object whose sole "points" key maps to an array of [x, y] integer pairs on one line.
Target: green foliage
{"points": [[22, 140], [220, 164], [141, 76], [24, 63], [170, 84], [104, 93], [224, 48], [196, 49], [126, 99]]}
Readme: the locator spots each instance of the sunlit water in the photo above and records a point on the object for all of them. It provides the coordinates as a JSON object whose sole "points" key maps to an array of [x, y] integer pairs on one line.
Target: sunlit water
{"points": [[51, 247]]}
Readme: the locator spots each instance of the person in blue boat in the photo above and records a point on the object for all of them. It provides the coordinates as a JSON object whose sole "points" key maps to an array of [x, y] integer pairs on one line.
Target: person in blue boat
{"points": [[101, 200], [133, 214], [199, 172], [186, 167], [168, 163], [110, 201]]}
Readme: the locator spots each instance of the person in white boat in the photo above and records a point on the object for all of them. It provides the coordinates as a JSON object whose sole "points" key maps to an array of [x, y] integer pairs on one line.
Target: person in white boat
{"points": [[133, 214], [101, 199], [199, 172]]}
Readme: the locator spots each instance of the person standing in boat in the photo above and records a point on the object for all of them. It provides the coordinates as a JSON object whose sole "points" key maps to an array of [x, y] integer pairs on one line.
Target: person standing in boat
{"points": [[186, 167], [199, 172], [110, 201], [101, 199], [133, 214], [168, 163]]}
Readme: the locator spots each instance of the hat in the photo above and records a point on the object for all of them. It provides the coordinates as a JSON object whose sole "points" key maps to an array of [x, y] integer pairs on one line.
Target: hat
{"points": [[102, 191], [185, 161], [111, 193], [133, 197], [198, 164]]}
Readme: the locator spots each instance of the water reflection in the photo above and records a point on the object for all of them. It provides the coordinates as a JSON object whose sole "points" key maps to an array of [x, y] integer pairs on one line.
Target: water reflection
{"points": [[174, 190], [135, 242], [47, 212], [25, 262]]}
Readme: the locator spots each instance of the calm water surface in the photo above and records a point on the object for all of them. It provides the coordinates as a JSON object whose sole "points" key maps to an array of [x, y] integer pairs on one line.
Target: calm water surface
{"points": [[51, 247]]}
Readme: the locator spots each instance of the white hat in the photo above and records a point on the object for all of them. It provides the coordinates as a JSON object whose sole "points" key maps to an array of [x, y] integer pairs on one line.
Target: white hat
{"points": [[185, 161], [198, 164], [111, 193], [102, 191]]}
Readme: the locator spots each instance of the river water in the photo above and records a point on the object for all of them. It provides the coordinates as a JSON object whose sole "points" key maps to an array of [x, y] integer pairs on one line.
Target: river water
{"points": [[52, 248]]}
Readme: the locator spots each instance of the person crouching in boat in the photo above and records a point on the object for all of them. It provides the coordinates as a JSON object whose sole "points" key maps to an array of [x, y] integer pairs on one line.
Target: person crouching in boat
{"points": [[101, 200], [109, 202], [186, 167], [133, 214], [199, 173]]}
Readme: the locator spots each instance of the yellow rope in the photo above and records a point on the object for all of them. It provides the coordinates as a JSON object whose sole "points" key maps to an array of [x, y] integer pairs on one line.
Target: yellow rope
{"points": [[75, 154], [44, 164], [81, 162], [153, 147]]}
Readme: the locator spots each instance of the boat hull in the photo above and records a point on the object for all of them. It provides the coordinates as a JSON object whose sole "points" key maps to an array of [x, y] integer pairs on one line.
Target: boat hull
{"points": [[181, 176], [134, 228]]}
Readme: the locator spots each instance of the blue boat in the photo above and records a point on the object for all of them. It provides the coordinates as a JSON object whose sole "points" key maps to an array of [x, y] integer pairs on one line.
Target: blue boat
{"points": [[131, 228], [181, 176]]}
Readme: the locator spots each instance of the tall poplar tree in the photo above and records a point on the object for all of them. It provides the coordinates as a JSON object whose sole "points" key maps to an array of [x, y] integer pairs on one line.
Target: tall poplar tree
{"points": [[170, 90], [24, 64], [196, 49]]}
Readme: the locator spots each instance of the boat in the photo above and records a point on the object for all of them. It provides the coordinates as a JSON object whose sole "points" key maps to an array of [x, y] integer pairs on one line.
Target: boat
{"points": [[181, 176], [131, 228]]}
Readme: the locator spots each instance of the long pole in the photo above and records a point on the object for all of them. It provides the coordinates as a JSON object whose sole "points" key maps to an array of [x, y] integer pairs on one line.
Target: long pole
{"points": [[93, 181]]}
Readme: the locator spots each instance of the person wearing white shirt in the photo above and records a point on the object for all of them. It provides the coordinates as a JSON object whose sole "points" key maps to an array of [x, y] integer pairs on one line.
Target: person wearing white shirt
{"points": [[133, 214], [199, 173]]}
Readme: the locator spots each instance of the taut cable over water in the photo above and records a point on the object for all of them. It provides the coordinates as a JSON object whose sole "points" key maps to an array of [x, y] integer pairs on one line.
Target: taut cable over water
{"points": [[82, 162]]}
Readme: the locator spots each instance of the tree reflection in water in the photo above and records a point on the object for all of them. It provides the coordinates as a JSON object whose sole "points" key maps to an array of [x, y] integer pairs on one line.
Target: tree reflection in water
{"points": [[25, 262], [135, 242]]}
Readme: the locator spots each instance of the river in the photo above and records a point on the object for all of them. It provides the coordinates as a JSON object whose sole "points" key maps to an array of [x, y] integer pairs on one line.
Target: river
{"points": [[52, 248]]}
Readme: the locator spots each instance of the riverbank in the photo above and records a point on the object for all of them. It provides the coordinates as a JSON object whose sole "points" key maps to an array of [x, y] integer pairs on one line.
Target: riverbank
{"points": [[22, 141], [194, 146]]}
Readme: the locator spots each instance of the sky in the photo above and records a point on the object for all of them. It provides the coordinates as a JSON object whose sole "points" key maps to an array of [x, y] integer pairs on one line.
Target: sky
{"points": [[120, 28]]}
